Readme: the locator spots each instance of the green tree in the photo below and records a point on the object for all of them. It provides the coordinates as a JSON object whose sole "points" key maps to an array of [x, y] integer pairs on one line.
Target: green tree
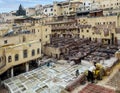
{"points": [[20, 11]]}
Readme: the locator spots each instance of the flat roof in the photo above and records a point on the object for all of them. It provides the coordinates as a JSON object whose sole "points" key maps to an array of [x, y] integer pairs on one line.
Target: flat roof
{"points": [[52, 79], [44, 79], [13, 45]]}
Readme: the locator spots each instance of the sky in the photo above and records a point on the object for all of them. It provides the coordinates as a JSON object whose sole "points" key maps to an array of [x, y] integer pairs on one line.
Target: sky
{"points": [[11, 5]]}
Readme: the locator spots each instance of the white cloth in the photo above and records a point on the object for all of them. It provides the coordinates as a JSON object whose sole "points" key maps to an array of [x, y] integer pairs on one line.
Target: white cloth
{"points": [[91, 68]]}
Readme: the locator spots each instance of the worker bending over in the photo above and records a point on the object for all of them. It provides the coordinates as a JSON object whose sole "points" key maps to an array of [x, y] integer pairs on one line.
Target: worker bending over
{"points": [[77, 73]]}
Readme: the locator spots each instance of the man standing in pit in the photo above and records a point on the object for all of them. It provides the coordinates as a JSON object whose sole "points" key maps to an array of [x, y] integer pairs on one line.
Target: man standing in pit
{"points": [[90, 76]]}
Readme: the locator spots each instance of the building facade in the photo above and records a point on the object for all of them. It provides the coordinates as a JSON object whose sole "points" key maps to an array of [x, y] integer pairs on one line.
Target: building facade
{"points": [[21, 54], [30, 12], [48, 10]]}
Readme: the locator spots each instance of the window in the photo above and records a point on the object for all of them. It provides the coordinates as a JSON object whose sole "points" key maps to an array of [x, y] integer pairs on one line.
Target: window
{"points": [[0, 60], [34, 30], [40, 40], [51, 9], [33, 52], [82, 36], [38, 51], [87, 30], [110, 22], [16, 57], [25, 53], [24, 39], [70, 8], [9, 59], [5, 42], [46, 36]]}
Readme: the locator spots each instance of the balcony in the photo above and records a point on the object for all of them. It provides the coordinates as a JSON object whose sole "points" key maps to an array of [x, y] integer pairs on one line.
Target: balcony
{"points": [[64, 27], [84, 26], [60, 21]]}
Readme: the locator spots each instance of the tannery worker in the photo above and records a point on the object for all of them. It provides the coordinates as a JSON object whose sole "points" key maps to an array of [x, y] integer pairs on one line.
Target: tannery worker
{"points": [[90, 76]]}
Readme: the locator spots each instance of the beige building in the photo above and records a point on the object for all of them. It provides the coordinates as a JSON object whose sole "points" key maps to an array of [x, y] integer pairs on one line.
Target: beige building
{"points": [[30, 11], [37, 27], [39, 10], [104, 4], [4, 28], [66, 27], [12, 55], [65, 8], [100, 28], [16, 39], [48, 10]]}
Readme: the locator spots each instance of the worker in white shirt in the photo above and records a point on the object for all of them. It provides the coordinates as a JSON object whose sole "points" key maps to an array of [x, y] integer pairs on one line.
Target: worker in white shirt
{"points": [[90, 76]]}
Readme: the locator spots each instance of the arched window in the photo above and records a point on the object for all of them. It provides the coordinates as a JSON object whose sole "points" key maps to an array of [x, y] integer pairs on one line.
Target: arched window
{"points": [[16, 57], [33, 52], [9, 59], [38, 51], [1, 59]]}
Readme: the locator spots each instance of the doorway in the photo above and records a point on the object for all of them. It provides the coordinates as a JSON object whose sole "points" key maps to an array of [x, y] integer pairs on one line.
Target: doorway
{"points": [[112, 38]]}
